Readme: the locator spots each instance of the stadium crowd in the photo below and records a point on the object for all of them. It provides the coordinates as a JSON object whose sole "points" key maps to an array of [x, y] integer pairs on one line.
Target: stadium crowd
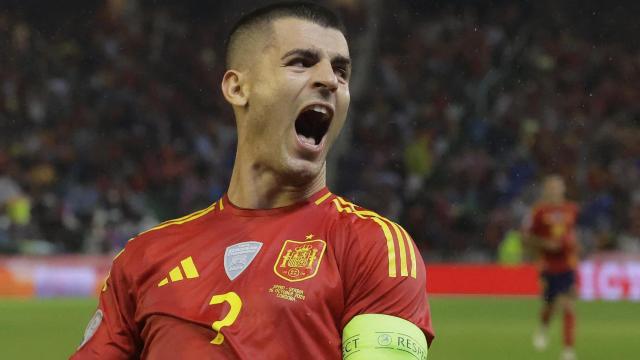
{"points": [[111, 120]]}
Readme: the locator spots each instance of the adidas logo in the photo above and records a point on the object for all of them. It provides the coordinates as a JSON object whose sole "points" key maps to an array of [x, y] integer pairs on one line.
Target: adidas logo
{"points": [[186, 267]]}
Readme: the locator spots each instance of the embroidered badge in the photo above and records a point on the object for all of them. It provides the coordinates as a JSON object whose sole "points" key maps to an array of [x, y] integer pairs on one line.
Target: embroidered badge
{"points": [[299, 260], [238, 257]]}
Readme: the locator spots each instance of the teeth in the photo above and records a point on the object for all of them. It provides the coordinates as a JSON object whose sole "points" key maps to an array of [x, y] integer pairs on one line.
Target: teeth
{"points": [[320, 109]]}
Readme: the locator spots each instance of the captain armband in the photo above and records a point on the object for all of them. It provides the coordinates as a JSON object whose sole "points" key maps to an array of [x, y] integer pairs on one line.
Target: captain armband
{"points": [[377, 336]]}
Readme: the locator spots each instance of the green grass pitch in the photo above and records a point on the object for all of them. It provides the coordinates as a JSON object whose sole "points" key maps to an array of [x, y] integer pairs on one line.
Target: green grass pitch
{"points": [[467, 328]]}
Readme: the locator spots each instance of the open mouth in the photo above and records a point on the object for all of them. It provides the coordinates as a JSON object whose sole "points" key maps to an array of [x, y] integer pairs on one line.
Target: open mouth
{"points": [[313, 123]]}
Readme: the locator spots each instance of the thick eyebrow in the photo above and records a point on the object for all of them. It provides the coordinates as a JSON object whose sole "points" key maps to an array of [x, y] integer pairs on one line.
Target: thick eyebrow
{"points": [[307, 53], [314, 54]]}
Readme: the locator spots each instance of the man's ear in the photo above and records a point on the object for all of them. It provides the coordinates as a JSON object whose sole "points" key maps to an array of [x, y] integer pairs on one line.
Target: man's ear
{"points": [[234, 89]]}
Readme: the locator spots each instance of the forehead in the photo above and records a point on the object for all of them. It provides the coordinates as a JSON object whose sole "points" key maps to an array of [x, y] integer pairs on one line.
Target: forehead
{"points": [[292, 33]]}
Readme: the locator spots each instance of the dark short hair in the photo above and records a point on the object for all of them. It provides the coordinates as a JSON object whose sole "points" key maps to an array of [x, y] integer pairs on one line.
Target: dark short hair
{"points": [[312, 12]]}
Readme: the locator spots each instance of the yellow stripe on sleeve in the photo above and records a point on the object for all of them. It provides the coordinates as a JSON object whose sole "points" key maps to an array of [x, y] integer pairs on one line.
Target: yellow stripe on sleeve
{"points": [[412, 252], [401, 234], [404, 269], [339, 207], [352, 209], [390, 246]]}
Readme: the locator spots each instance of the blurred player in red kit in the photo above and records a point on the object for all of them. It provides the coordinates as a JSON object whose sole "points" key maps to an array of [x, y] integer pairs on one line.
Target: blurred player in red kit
{"points": [[550, 232], [279, 267]]}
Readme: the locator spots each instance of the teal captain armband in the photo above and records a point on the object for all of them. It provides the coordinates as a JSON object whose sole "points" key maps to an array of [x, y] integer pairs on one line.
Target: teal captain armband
{"points": [[384, 337]]}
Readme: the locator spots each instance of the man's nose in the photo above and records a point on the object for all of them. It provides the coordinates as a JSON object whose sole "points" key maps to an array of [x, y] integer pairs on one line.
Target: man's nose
{"points": [[325, 77]]}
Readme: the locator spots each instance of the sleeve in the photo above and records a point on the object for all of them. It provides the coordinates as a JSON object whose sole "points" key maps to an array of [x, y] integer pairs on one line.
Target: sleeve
{"points": [[111, 333], [383, 273]]}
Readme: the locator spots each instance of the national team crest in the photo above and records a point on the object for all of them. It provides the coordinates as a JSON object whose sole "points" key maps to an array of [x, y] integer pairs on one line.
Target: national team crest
{"points": [[238, 257], [299, 260]]}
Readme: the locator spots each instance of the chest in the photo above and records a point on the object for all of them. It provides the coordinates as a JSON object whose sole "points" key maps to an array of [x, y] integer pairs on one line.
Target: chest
{"points": [[247, 276], [556, 218]]}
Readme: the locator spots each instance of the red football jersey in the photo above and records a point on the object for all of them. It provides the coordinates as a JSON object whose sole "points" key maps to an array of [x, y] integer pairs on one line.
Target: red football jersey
{"points": [[556, 222], [231, 283]]}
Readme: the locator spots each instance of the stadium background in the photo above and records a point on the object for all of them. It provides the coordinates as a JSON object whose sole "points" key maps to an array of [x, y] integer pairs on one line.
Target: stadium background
{"points": [[111, 121]]}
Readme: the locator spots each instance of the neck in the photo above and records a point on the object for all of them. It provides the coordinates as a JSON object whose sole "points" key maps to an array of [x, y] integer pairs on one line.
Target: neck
{"points": [[253, 186]]}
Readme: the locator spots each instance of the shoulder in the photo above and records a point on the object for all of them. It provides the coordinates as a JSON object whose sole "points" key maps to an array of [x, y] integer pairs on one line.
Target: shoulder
{"points": [[344, 216], [361, 223], [367, 236], [381, 268], [150, 245]]}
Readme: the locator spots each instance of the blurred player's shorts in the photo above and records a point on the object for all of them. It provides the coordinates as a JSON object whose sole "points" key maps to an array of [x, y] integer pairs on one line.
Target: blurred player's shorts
{"points": [[555, 284]]}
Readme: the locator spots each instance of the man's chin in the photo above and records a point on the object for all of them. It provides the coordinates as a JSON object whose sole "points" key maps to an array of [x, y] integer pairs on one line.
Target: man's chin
{"points": [[302, 171]]}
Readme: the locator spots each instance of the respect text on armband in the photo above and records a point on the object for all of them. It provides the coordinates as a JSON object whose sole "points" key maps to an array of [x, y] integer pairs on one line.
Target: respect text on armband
{"points": [[350, 346], [384, 341]]}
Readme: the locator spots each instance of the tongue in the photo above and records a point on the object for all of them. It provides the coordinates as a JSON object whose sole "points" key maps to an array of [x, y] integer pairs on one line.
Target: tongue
{"points": [[307, 140]]}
